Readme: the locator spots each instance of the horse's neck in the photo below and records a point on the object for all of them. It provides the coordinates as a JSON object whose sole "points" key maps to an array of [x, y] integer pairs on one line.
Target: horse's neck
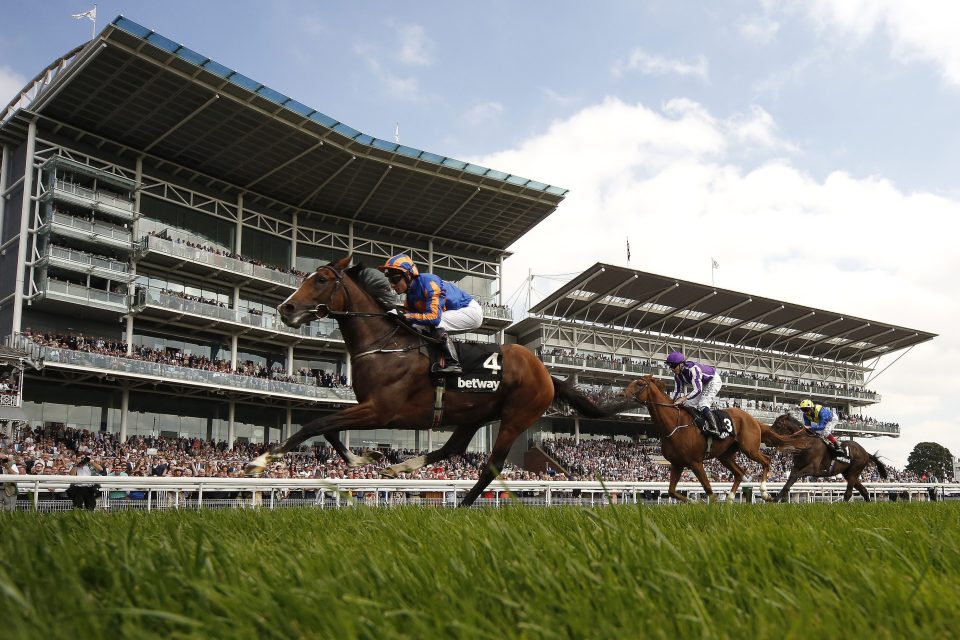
{"points": [[661, 414]]}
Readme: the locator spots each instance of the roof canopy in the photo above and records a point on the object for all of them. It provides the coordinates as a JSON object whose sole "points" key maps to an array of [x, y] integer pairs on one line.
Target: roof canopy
{"points": [[639, 301], [142, 92]]}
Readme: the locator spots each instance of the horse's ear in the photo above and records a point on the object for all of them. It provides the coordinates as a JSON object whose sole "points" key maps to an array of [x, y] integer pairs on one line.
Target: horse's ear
{"points": [[343, 263]]}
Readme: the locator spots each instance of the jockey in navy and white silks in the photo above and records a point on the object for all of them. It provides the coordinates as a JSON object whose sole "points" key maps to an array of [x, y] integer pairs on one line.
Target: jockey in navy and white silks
{"points": [[433, 303], [705, 381], [820, 420]]}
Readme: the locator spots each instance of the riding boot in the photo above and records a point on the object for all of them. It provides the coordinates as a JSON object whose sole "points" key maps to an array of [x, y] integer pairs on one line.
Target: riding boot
{"points": [[832, 439], [711, 421], [449, 349]]}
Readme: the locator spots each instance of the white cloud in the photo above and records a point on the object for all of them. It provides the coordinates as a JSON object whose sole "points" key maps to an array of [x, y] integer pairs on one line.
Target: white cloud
{"points": [[654, 65], [918, 31], [483, 112], [415, 47], [397, 86], [673, 182], [761, 29], [11, 82]]}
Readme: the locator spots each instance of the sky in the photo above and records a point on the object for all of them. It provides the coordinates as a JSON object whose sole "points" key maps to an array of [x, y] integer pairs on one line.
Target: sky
{"points": [[810, 148]]}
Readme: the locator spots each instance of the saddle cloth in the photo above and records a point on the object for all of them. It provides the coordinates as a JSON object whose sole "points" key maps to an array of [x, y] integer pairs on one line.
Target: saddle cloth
{"points": [[482, 368], [724, 422]]}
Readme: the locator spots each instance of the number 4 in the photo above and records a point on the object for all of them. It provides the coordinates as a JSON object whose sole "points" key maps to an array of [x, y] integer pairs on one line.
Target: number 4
{"points": [[491, 362]]}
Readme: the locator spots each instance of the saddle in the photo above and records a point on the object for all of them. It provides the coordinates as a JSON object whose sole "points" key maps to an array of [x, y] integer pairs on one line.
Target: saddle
{"points": [[724, 423]]}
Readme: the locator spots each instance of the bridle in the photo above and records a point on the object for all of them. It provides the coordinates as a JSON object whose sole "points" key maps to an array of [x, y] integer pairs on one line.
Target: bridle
{"points": [[323, 310], [651, 403]]}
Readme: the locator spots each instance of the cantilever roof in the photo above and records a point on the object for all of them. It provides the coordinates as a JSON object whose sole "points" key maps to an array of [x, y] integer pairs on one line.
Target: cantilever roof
{"points": [[639, 301], [141, 91]]}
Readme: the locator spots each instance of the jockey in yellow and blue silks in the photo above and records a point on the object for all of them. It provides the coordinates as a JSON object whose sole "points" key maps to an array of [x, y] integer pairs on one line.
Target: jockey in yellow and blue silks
{"points": [[820, 420], [433, 303]]}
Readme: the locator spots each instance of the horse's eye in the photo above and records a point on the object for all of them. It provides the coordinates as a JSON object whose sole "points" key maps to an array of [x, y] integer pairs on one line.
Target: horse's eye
{"points": [[319, 280]]}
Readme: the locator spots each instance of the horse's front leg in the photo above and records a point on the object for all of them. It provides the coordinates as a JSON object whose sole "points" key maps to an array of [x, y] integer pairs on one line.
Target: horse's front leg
{"points": [[358, 416], [675, 473]]}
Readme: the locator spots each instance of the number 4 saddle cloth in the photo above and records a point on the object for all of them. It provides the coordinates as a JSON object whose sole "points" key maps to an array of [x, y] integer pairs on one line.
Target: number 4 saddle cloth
{"points": [[482, 368]]}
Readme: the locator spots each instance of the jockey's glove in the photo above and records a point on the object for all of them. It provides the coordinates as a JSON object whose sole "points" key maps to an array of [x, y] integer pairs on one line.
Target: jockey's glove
{"points": [[396, 312]]}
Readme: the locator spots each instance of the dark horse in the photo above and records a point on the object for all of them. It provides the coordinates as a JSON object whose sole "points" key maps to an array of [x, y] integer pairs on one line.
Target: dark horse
{"points": [[816, 461], [391, 378], [685, 446]]}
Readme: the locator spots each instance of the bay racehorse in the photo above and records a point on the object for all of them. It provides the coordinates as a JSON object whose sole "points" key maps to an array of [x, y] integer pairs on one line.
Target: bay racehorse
{"points": [[391, 378], [684, 445], [817, 462]]}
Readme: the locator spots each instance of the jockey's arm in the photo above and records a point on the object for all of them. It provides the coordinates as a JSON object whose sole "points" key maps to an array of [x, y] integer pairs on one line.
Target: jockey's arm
{"points": [[433, 296]]}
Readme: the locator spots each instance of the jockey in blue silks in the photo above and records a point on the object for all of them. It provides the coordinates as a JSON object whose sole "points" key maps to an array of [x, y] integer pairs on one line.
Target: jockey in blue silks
{"points": [[434, 304], [706, 384]]}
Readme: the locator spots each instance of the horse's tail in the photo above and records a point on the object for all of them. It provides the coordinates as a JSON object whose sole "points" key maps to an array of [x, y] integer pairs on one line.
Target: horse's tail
{"points": [[881, 468], [771, 438], [564, 391]]}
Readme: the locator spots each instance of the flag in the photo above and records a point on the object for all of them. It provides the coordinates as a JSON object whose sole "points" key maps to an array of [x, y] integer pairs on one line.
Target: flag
{"points": [[396, 134], [714, 263], [628, 249], [92, 14]]}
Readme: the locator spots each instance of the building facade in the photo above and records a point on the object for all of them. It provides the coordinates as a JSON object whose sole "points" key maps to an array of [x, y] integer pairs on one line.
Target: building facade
{"points": [[156, 208]]}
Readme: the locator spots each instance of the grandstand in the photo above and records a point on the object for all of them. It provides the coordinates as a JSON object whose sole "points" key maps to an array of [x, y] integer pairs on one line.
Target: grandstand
{"points": [[157, 206], [610, 324]]}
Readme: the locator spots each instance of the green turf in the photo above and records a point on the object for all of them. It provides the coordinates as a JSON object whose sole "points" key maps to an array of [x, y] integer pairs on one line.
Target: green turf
{"points": [[697, 571]]}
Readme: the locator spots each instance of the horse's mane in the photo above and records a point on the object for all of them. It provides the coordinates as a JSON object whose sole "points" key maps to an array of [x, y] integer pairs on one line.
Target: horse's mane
{"points": [[374, 283], [792, 423]]}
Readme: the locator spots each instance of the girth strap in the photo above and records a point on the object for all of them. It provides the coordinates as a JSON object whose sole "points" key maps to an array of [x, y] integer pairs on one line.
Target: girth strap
{"points": [[438, 403]]}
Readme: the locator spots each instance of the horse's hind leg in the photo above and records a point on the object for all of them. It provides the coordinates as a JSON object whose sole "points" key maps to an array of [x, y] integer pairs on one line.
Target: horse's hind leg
{"points": [[352, 460], [863, 490], [729, 460], [701, 474], [754, 453], [455, 444], [494, 464]]}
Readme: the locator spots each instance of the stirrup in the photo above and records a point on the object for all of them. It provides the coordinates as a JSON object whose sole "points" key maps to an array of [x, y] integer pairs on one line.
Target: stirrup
{"points": [[447, 368]]}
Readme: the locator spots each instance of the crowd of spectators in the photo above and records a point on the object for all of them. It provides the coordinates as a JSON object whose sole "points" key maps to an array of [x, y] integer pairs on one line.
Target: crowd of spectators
{"points": [[179, 358], [8, 382], [54, 449]]}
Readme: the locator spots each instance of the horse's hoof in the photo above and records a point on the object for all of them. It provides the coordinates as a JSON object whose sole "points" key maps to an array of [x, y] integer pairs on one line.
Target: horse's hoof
{"points": [[259, 464], [389, 472], [373, 456]]}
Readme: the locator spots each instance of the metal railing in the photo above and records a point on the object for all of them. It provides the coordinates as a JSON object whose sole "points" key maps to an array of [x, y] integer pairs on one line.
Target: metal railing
{"points": [[180, 250], [86, 259], [129, 366], [46, 493], [728, 380], [123, 206], [92, 229], [81, 293], [325, 329]]}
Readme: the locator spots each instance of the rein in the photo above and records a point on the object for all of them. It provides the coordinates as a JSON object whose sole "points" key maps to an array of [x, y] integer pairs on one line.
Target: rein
{"points": [[651, 403], [323, 310]]}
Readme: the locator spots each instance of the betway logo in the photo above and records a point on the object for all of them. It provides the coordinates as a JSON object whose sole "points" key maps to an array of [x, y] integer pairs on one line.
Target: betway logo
{"points": [[492, 385]]}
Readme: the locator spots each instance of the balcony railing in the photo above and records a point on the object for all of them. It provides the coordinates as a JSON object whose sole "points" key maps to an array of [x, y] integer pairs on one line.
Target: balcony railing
{"points": [[120, 366], [501, 313], [318, 329], [90, 230], [180, 250], [730, 380], [107, 202], [86, 261], [80, 293]]}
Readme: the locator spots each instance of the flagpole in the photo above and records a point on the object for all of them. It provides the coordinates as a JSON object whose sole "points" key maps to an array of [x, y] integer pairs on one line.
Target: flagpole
{"points": [[713, 268]]}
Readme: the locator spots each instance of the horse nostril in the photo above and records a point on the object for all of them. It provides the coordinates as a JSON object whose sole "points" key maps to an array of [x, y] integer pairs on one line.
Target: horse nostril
{"points": [[285, 309]]}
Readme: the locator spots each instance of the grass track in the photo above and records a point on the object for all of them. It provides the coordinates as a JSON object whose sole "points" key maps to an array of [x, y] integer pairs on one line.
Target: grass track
{"points": [[739, 571]]}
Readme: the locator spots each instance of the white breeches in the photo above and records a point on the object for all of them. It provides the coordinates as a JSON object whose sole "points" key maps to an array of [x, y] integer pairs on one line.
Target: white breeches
{"points": [[459, 320], [710, 391]]}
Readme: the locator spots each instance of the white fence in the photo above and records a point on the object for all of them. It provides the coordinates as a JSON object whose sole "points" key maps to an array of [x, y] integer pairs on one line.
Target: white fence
{"points": [[47, 493]]}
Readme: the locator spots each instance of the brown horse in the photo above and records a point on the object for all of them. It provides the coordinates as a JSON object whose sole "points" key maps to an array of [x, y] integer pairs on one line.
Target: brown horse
{"points": [[391, 378], [816, 460], [685, 446]]}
